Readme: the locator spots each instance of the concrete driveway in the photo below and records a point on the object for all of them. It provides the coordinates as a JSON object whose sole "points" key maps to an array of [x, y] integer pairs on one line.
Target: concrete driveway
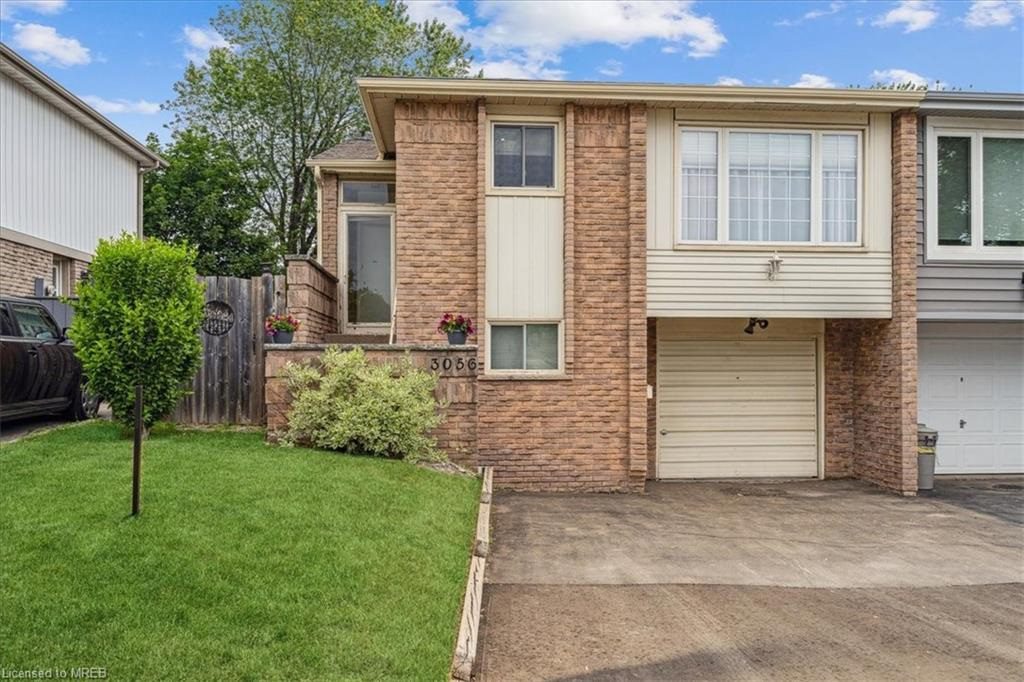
{"points": [[736, 581]]}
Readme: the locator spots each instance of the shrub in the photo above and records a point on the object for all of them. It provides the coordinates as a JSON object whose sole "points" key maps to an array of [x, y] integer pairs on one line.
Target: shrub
{"points": [[137, 321], [350, 404]]}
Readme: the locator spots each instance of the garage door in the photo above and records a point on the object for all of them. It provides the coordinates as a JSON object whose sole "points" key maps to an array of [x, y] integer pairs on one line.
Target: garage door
{"points": [[971, 392], [737, 409]]}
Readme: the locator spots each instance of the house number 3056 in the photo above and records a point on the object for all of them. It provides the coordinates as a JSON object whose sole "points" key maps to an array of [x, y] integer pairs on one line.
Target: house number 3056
{"points": [[452, 364]]}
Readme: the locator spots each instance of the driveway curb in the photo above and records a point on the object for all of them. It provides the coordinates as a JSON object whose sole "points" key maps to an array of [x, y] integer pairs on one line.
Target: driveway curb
{"points": [[469, 628]]}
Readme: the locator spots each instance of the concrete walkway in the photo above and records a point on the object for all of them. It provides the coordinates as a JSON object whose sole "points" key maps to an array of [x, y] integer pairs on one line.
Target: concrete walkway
{"points": [[806, 581]]}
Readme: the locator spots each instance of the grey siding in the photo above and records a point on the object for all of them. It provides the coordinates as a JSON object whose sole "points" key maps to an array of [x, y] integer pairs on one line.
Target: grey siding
{"points": [[950, 290]]}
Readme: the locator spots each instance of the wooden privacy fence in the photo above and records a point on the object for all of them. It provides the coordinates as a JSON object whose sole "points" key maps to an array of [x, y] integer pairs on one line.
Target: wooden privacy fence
{"points": [[228, 388]]}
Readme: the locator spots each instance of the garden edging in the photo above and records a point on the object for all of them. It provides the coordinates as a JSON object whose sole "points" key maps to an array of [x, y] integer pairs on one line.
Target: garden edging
{"points": [[469, 625]]}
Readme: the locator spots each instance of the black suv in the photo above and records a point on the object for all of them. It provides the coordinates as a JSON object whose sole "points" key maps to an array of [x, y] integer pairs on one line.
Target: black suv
{"points": [[39, 373]]}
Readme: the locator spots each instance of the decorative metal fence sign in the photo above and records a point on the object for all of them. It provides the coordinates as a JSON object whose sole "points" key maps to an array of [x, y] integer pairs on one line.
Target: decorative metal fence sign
{"points": [[218, 318]]}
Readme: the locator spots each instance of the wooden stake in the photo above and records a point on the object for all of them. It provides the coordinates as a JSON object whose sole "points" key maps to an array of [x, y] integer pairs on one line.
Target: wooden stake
{"points": [[137, 453]]}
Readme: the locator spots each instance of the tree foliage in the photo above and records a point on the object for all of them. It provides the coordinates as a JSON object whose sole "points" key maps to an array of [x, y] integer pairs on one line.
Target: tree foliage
{"points": [[137, 321], [200, 199], [285, 90]]}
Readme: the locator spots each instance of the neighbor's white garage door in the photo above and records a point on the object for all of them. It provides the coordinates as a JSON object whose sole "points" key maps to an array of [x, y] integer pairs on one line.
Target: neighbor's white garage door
{"points": [[972, 392], [731, 409]]}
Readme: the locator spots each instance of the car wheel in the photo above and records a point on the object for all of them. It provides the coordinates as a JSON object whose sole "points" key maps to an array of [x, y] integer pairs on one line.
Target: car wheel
{"points": [[83, 405]]}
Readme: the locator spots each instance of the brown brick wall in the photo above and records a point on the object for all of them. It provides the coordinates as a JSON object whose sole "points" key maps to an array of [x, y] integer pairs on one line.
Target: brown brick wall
{"points": [[312, 295], [20, 265], [456, 391], [436, 220], [327, 240], [588, 430], [871, 365]]}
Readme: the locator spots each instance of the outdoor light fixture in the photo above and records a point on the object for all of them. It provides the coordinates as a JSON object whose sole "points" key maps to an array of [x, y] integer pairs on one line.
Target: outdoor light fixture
{"points": [[755, 322]]}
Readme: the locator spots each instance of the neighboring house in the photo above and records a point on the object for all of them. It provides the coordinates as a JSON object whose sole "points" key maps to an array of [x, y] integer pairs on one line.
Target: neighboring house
{"points": [[971, 279], [69, 178], [620, 247]]}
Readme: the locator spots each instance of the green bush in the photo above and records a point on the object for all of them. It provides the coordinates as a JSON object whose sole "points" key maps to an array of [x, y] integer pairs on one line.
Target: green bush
{"points": [[347, 403], [137, 321]]}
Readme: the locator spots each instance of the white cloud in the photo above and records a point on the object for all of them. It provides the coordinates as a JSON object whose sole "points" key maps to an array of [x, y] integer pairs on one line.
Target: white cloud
{"points": [[833, 8], [121, 106], [897, 77], [813, 80], [611, 68], [984, 13], [200, 41], [8, 8], [914, 15], [445, 11], [525, 38], [728, 80], [44, 44], [521, 69]]}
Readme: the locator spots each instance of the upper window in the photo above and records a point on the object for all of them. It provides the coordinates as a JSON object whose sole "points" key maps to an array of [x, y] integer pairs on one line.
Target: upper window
{"points": [[780, 187], [524, 156], [360, 192], [975, 201]]}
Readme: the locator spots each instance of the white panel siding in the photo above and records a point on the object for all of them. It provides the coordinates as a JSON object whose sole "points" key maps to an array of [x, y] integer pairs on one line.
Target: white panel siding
{"points": [[524, 258], [962, 290], [60, 181], [731, 281], [735, 284]]}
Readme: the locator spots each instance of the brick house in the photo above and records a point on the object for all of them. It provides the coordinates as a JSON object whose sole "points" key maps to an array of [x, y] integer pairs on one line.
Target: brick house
{"points": [[51, 222], [668, 281]]}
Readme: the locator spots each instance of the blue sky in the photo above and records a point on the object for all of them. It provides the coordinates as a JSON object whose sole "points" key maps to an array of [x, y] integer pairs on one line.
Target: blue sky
{"points": [[123, 57]]}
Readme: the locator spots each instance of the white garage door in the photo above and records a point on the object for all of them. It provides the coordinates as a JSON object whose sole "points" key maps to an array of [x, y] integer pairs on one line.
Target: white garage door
{"points": [[730, 409], [971, 391]]}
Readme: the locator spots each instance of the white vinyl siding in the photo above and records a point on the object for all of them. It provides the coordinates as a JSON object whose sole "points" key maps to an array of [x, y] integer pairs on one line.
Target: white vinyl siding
{"points": [[524, 258], [971, 390], [737, 408], [60, 182], [722, 279]]}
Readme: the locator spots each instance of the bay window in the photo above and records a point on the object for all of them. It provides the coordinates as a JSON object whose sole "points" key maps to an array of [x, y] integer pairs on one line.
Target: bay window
{"points": [[777, 186], [975, 193]]}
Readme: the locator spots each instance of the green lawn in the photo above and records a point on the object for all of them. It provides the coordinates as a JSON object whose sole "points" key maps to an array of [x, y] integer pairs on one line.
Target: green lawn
{"points": [[249, 561]]}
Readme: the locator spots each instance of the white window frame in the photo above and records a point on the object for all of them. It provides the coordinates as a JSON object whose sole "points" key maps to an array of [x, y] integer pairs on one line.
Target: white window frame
{"points": [[61, 270], [344, 212], [555, 122], [816, 197], [523, 373], [976, 131]]}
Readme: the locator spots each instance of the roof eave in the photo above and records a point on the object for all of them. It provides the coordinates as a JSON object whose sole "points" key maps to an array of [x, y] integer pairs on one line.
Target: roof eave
{"points": [[363, 166]]}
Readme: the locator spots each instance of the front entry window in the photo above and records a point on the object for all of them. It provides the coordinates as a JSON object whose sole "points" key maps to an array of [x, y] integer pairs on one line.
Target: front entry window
{"points": [[369, 269]]}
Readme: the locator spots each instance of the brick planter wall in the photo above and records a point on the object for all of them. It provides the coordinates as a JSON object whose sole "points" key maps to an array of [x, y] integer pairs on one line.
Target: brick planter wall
{"points": [[312, 295], [456, 388]]}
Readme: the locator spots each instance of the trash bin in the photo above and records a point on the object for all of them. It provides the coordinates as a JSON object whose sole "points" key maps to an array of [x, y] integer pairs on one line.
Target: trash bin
{"points": [[926, 440]]}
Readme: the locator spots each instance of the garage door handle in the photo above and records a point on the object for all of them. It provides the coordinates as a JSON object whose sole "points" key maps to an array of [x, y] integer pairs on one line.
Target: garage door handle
{"points": [[664, 432]]}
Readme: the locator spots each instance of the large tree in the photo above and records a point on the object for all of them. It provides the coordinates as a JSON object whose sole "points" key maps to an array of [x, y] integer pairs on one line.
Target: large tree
{"points": [[201, 198], [285, 90]]}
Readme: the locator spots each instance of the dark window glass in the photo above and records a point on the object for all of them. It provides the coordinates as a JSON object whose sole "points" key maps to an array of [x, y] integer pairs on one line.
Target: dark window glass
{"points": [[954, 191], [1002, 199], [34, 322], [6, 323], [369, 269], [540, 157], [531, 346], [508, 156], [368, 192]]}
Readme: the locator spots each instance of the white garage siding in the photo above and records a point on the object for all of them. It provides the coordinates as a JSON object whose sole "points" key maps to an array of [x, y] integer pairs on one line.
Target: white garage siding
{"points": [[736, 405], [971, 390]]}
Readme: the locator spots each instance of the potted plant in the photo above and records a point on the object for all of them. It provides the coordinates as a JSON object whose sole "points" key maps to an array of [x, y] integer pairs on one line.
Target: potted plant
{"points": [[457, 327], [281, 327]]}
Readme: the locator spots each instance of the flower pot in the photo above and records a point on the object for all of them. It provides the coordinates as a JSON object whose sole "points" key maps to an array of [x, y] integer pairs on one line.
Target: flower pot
{"points": [[456, 338], [283, 337]]}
